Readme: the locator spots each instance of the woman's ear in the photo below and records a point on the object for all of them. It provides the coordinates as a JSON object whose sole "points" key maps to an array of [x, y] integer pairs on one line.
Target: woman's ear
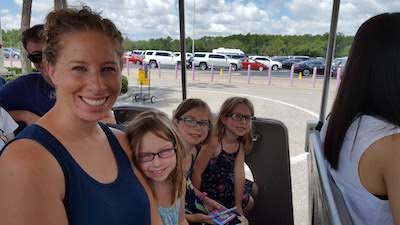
{"points": [[50, 71]]}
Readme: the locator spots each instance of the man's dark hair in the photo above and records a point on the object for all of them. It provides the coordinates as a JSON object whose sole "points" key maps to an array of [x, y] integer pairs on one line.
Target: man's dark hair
{"points": [[32, 34]]}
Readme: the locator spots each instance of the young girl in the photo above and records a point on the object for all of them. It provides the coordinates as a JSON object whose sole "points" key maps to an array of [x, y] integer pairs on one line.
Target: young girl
{"points": [[158, 153], [219, 168], [193, 120]]}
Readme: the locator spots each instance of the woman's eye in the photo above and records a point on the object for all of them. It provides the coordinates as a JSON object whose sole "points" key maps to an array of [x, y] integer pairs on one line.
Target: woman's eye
{"points": [[108, 69], [79, 68]]}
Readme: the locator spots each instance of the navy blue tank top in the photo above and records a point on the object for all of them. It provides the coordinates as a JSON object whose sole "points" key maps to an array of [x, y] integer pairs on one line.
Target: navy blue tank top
{"points": [[89, 202]]}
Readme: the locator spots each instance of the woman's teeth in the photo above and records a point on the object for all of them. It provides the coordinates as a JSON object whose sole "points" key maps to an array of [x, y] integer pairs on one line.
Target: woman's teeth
{"points": [[94, 102]]}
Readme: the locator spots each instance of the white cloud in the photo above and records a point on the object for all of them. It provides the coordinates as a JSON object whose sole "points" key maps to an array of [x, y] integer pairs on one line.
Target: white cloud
{"points": [[9, 21], [144, 19]]}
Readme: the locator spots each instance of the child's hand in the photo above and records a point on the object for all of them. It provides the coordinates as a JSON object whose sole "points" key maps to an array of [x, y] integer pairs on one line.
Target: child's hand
{"points": [[239, 209], [212, 204], [203, 218]]}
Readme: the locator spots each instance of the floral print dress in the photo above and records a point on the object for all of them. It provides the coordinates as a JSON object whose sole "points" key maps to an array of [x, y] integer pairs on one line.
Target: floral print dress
{"points": [[218, 179]]}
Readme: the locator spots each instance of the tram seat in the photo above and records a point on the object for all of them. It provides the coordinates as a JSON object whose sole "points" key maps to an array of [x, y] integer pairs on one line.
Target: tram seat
{"points": [[125, 113], [327, 205], [270, 164]]}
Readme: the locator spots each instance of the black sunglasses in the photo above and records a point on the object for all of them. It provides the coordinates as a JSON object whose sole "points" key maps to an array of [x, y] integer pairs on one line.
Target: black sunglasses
{"points": [[35, 57]]}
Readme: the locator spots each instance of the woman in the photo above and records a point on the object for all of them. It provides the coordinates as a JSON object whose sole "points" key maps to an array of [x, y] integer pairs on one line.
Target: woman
{"points": [[363, 135], [67, 168]]}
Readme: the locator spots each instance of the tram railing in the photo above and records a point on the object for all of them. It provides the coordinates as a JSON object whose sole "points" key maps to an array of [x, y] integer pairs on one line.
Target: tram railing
{"points": [[326, 203]]}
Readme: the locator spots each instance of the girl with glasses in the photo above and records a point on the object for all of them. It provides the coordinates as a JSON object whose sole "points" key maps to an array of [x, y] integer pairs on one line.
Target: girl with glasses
{"points": [[219, 168], [158, 153], [193, 119]]}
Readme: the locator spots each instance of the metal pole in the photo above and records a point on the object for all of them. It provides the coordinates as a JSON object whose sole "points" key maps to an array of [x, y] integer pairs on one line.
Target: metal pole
{"points": [[194, 20], [2, 69], [329, 57], [183, 46]]}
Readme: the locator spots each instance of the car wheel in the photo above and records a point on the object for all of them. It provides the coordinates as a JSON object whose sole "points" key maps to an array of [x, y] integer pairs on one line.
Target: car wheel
{"points": [[153, 64], [203, 66], [274, 67], [234, 67], [153, 99], [260, 68], [138, 62], [306, 72]]}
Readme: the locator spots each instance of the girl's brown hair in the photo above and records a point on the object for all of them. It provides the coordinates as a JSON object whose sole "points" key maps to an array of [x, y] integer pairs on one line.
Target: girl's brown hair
{"points": [[225, 111], [194, 103], [62, 22], [158, 123]]}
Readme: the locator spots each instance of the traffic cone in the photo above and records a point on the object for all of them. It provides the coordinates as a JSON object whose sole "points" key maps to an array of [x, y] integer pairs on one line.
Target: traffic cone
{"points": [[220, 72], [300, 75]]}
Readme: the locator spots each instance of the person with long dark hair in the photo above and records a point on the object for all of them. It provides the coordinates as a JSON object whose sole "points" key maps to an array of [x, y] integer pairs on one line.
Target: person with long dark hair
{"points": [[362, 142]]}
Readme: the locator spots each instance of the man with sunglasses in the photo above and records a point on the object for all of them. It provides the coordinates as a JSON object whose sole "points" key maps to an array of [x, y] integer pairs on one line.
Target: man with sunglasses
{"points": [[30, 96]]}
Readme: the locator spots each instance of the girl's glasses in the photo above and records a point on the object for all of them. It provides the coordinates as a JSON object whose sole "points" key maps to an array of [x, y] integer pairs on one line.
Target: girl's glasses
{"points": [[190, 122], [240, 117], [163, 154]]}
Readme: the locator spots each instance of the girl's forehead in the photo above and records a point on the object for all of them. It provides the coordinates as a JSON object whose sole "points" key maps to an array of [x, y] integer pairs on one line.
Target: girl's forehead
{"points": [[198, 113], [241, 107]]}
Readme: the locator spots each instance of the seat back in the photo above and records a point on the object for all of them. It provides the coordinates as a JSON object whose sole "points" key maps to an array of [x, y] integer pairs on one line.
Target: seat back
{"points": [[270, 164], [327, 205], [124, 114]]}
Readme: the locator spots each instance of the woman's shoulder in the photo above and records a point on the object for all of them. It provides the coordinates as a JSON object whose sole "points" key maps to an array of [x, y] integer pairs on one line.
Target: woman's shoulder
{"points": [[29, 161]]}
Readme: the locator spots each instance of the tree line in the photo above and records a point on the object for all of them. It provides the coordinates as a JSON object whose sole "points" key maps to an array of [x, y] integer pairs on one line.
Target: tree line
{"points": [[260, 44]]}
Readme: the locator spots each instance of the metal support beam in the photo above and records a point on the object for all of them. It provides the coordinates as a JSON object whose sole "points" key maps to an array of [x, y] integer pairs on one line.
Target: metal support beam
{"points": [[329, 57], [60, 4], [183, 46]]}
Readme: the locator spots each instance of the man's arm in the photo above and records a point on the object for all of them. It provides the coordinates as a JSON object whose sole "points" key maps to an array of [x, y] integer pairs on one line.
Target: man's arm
{"points": [[24, 116]]}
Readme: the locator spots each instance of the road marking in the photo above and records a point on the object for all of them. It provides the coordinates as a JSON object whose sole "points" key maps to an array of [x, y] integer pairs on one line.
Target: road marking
{"points": [[261, 98], [298, 158]]}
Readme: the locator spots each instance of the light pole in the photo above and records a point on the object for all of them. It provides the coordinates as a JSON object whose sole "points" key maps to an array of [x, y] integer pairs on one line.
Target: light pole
{"points": [[194, 17]]}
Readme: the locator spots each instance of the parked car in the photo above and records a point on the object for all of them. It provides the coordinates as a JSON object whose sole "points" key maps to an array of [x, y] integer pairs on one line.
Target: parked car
{"points": [[287, 64], [189, 59], [139, 53], [254, 65], [156, 57], [279, 58], [307, 67], [338, 62], [16, 53], [275, 65], [132, 58], [204, 60]]}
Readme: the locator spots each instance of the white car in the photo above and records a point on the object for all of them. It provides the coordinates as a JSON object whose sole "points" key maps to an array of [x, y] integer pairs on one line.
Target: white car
{"points": [[274, 65], [204, 60], [158, 57]]}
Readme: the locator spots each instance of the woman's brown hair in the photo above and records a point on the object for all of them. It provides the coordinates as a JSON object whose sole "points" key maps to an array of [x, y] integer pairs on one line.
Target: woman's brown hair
{"points": [[62, 22]]}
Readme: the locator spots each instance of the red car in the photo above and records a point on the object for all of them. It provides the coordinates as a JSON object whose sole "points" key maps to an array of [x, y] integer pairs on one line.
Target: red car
{"points": [[254, 65], [133, 59]]}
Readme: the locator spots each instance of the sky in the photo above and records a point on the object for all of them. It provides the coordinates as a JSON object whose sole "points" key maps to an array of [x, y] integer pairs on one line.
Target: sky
{"points": [[145, 19]]}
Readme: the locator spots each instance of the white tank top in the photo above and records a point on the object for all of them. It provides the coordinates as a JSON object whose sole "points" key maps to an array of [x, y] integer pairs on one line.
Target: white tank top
{"points": [[364, 207]]}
